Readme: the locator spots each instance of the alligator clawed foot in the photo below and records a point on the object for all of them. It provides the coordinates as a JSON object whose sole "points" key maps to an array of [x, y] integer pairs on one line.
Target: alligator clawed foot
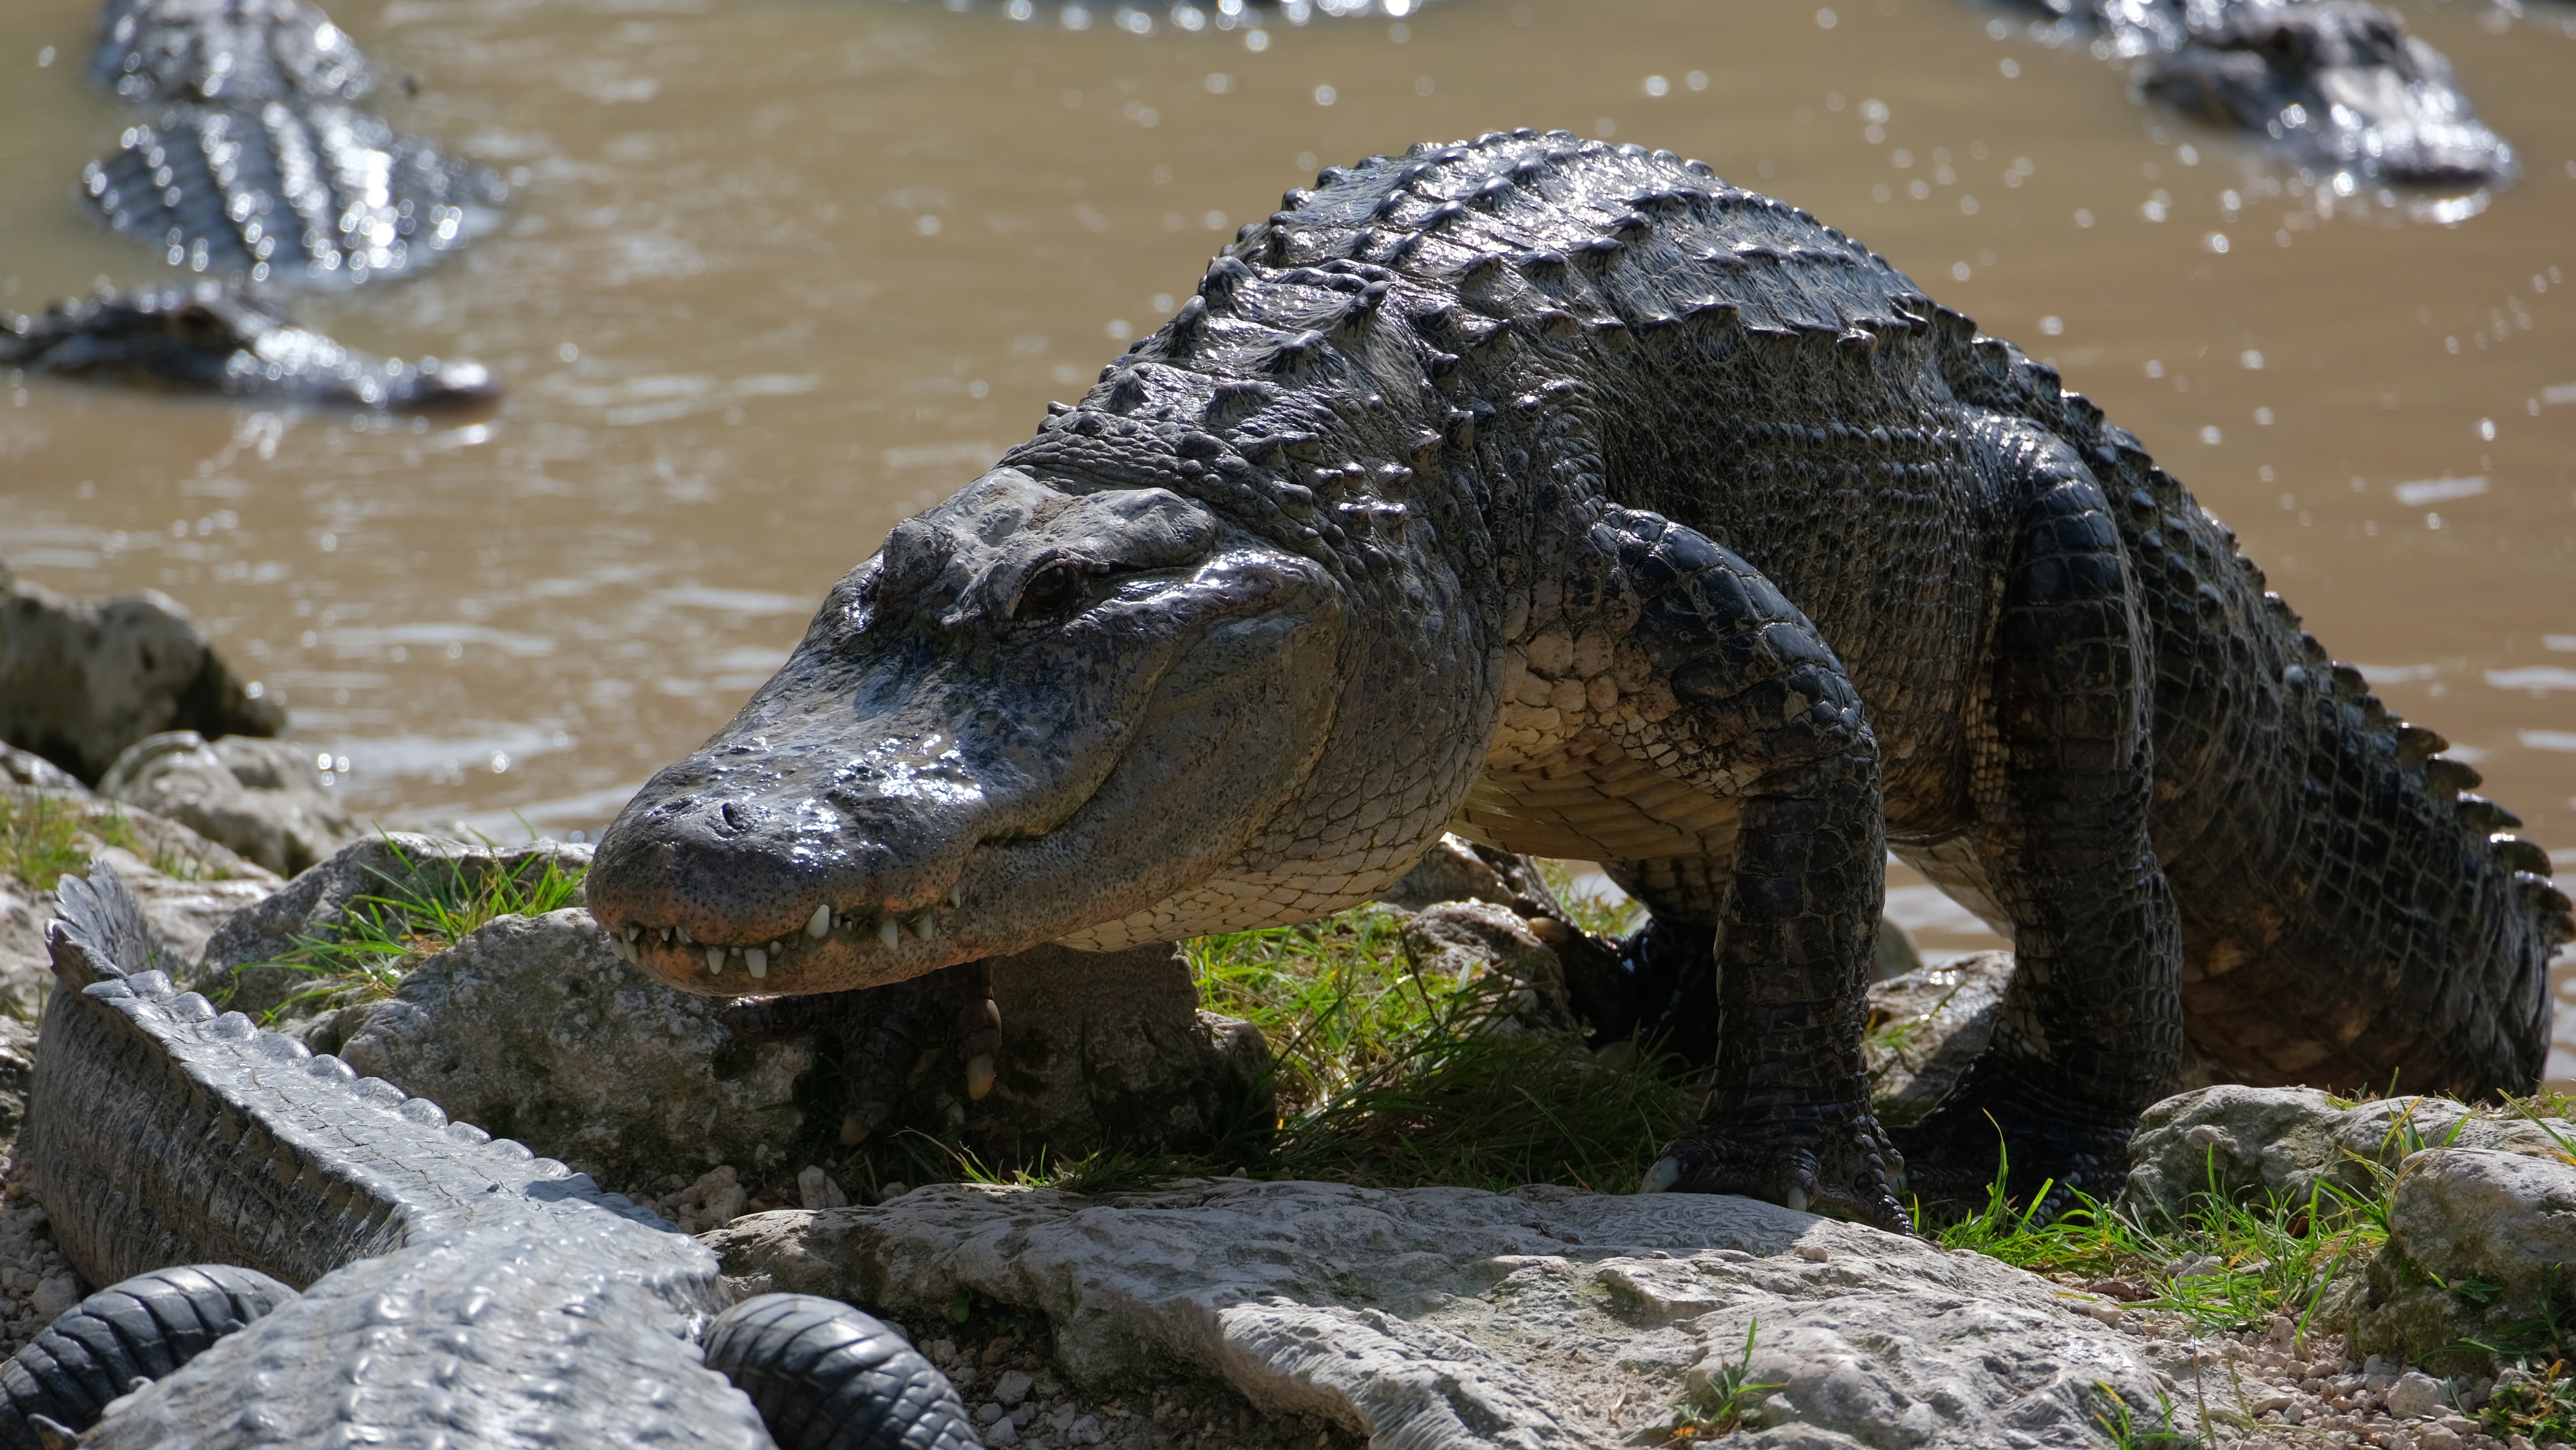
{"points": [[1842, 1167]]}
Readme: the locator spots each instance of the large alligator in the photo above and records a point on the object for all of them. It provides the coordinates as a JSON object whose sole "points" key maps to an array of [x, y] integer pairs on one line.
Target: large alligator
{"points": [[1568, 497], [205, 337], [2339, 85], [455, 1289]]}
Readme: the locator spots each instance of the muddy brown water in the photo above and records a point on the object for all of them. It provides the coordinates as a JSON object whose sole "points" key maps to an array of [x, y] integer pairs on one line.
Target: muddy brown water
{"points": [[777, 273]]}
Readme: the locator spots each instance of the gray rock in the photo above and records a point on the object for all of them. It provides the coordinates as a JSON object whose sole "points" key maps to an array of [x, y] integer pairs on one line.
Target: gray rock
{"points": [[2480, 1241], [2252, 1144], [1465, 942], [19, 767], [1451, 1319], [357, 879], [2415, 1394], [17, 1074], [264, 798], [1926, 1026], [1109, 1050], [1452, 871], [532, 1028], [81, 679]]}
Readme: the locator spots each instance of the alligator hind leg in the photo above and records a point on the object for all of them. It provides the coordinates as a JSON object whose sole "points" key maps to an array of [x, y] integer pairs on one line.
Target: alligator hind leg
{"points": [[137, 1329], [2091, 1029], [1762, 711]]}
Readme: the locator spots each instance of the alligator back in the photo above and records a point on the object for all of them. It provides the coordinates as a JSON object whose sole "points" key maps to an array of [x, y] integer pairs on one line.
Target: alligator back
{"points": [[441, 1267], [1602, 325]]}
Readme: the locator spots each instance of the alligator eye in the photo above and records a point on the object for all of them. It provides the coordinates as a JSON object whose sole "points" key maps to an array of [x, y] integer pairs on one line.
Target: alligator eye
{"points": [[1055, 588]]}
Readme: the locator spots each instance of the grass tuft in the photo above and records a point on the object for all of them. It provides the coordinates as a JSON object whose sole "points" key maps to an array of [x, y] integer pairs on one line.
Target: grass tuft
{"points": [[1390, 1077], [1723, 1402], [380, 937], [39, 838]]}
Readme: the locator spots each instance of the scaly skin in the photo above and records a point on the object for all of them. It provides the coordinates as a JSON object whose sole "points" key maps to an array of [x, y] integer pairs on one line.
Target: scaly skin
{"points": [[207, 338], [1567, 497], [457, 1290]]}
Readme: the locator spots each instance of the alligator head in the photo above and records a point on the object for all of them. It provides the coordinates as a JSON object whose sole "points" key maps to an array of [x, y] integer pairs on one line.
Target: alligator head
{"points": [[2339, 80], [1044, 711], [206, 337]]}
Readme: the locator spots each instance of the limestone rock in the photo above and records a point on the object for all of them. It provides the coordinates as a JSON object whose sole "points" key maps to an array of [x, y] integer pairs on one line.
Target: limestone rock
{"points": [[264, 798], [20, 767], [82, 679], [2479, 1241], [2253, 1143], [532, 1028], [1451, 871], [1451, 1319], [1464, 942], [321, 901], [1110, 1050], [1926, 1026]]}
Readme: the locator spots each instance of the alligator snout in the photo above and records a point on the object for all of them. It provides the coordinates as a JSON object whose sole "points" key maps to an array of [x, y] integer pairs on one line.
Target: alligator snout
{"points": [[732, 887]]}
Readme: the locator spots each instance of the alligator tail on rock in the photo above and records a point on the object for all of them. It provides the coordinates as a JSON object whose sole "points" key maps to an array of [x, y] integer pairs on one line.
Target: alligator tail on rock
{"points": [[456, 1290], [1567, 497]]}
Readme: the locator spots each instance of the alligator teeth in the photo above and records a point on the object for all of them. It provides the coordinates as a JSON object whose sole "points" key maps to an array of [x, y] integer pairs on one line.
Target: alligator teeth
{"points": [[632, 932], [889, 933], [921, 925], [686, 940], [715, 961], [957, 894], [821, 926], [758, 961], [979, 1075], [666, 936]]}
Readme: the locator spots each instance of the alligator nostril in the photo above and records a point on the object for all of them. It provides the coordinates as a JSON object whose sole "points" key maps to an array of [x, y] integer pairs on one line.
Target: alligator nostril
{"points": [[735, 816]]}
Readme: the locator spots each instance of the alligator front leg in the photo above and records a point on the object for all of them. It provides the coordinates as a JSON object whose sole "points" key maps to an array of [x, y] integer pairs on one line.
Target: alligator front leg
{"points": [[1760, 709], [2091, 1031]]}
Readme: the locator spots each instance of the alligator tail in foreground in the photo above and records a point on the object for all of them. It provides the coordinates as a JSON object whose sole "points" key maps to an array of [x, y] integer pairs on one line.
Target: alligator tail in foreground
{"points": [[457, 1290], [1563, 495]]}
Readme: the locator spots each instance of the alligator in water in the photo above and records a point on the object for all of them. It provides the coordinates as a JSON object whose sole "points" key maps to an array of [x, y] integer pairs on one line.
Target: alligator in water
{"points": [[2338, 84], [253, 164], [204, 337], [455, 1289], [318, 192], [225, 52], [1565, 496]]}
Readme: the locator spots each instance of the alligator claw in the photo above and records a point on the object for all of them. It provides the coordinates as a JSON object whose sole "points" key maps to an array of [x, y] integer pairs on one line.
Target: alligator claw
{"points": [[1807, 1164], [979, 1075]]}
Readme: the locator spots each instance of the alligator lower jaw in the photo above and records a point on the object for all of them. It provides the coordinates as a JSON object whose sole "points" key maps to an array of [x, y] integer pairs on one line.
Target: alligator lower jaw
{"points": [[834, 951]]}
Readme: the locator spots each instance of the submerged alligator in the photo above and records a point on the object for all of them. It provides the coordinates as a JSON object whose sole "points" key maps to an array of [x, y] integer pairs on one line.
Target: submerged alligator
{"points": [[455, 1289], [2338, 84], [204, 337], [255, 164], [1568, 497]]}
